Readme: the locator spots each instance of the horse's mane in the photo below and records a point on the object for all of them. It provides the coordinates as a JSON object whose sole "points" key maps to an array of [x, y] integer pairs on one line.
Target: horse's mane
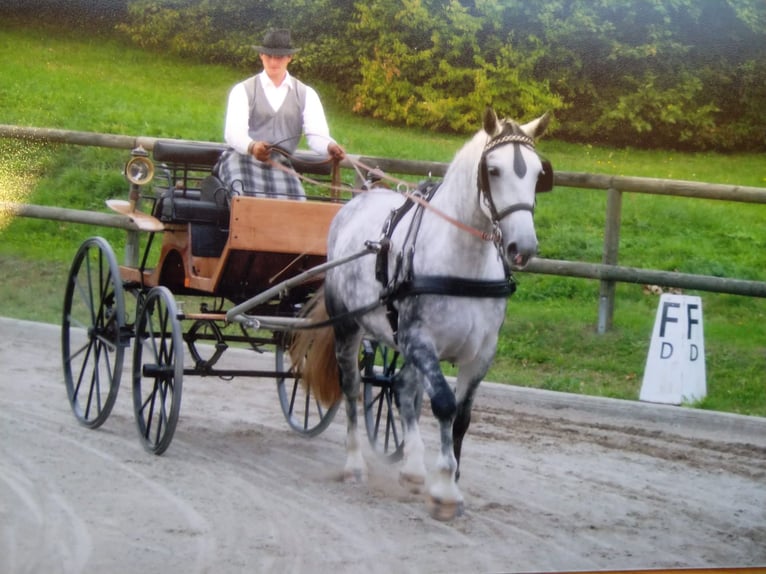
{"points": [[465, 164]]}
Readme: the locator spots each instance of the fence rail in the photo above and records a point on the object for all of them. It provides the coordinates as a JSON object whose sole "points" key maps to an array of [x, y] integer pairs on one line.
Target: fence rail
{"points": [[607, 272]]}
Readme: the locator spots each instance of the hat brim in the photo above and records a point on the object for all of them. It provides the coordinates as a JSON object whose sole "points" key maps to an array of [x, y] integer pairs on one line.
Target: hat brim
{"points": [[276, 51]]}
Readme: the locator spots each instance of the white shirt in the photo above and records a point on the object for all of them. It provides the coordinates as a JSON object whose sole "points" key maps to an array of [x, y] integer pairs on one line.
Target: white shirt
{"points": [[236, 131]]}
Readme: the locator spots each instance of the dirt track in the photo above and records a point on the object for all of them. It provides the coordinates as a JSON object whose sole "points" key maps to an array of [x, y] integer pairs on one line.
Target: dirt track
{"points": [[552, 482]]}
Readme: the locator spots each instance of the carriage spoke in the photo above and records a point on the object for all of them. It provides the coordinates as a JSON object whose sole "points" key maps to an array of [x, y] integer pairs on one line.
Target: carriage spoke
{"points": [[76, 323], [110, 345], [88, 297], [379, 412], [306, 411], [95, 385], [292, 397], [391, 432], [319, 408], [150, 415], [162, 415], [88, 347]]}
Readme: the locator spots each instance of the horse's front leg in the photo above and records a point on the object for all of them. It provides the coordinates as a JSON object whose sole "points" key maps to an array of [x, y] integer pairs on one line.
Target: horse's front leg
{"points": [[445, 498]]}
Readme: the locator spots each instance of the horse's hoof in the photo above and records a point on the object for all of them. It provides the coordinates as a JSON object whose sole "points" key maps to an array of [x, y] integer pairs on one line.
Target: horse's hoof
{"points": [[355, 476], [445, 510], [414, 483]]}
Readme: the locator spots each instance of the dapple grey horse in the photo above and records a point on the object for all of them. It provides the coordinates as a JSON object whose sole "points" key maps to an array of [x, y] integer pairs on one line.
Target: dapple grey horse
{"points": [[442, 278]]}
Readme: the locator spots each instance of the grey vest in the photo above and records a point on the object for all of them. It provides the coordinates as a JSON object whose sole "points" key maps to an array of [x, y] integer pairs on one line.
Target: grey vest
{"points": [[283, 127]]}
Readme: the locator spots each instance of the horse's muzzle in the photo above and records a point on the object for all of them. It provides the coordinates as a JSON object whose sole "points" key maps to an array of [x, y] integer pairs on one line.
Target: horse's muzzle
{"points": [[519, 258]]}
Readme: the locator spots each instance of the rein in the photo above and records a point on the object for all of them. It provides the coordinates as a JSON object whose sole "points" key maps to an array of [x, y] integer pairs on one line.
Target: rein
{"points": [[334, 187], [406, 188]]}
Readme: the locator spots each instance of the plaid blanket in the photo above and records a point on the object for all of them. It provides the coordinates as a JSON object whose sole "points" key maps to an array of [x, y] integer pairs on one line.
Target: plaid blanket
{"points": [[245, 175]]}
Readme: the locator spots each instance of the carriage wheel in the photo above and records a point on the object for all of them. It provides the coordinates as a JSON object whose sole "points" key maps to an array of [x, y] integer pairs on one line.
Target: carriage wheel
{"points": [[157, 369], [379, 364], [93, 334], [303, 412]]}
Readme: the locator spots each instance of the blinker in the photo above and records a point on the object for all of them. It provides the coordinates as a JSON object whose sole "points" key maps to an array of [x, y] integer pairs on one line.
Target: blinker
{"points": [[545, 179]]}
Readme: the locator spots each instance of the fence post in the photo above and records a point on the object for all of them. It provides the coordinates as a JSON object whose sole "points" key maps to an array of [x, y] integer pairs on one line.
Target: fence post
{"points": [[611, 249]]}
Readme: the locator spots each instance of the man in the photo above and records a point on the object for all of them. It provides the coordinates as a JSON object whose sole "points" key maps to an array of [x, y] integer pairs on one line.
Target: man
{"points": [[269, 109]]}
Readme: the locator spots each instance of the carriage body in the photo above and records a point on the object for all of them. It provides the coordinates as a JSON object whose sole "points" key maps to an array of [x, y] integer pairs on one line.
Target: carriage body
{"points": [[231, 246], [172, 302]]}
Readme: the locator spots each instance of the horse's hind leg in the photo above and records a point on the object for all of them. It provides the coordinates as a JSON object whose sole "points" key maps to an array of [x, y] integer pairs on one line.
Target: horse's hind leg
{"points": [[347, 353], [412, 474]]}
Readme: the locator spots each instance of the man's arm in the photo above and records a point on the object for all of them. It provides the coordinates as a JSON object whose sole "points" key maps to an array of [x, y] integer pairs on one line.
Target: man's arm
{"points": [[236, 129], [315, 123]]}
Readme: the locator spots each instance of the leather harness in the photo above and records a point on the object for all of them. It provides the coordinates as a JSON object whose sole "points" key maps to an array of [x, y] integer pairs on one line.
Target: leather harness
{"points": [[403, 283]]}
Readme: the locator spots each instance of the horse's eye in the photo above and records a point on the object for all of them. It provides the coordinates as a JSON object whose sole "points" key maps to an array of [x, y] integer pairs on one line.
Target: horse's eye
{"points": [[493, 171]]}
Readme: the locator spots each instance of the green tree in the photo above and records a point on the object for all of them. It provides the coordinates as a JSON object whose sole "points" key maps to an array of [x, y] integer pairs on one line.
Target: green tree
{"points": [[438, 63], [225, 30], [655, 73]]}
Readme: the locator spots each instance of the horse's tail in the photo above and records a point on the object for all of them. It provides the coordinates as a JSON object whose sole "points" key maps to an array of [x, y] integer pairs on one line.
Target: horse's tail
{"points": [[312, 353]]}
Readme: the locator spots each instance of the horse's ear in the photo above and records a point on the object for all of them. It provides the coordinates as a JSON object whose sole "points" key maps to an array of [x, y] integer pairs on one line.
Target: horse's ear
{"points": [[536, 128], [490, 121]]}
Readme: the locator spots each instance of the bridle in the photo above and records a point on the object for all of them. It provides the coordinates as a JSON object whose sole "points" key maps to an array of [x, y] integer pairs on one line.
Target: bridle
{"points": [[519, 167]]}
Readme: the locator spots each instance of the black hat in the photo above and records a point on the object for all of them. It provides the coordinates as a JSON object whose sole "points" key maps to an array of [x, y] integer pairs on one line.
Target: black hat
{"points": [[277, 43]]}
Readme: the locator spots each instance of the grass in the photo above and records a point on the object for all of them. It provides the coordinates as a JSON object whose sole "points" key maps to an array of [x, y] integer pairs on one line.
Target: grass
{"points": [[549, 339]]}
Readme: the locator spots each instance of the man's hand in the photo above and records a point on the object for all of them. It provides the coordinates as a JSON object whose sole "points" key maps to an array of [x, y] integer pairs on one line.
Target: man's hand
{"points": [[336, 152], [260, 150]]}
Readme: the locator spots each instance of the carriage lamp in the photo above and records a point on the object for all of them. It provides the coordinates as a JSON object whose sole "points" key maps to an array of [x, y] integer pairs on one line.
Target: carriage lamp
{"points": [[139, 170]]}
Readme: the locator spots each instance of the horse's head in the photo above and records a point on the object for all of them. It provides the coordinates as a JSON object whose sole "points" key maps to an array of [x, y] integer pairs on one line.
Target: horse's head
{"points": [[510, 174]]}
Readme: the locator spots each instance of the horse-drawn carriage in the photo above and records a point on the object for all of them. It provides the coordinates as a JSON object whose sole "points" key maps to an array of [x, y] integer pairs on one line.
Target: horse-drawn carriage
{"points": [[425, 271], [216, 249]]}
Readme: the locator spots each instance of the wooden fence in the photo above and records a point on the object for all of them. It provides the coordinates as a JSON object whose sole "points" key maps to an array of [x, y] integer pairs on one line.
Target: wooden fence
{"points": [[608, 272]]}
